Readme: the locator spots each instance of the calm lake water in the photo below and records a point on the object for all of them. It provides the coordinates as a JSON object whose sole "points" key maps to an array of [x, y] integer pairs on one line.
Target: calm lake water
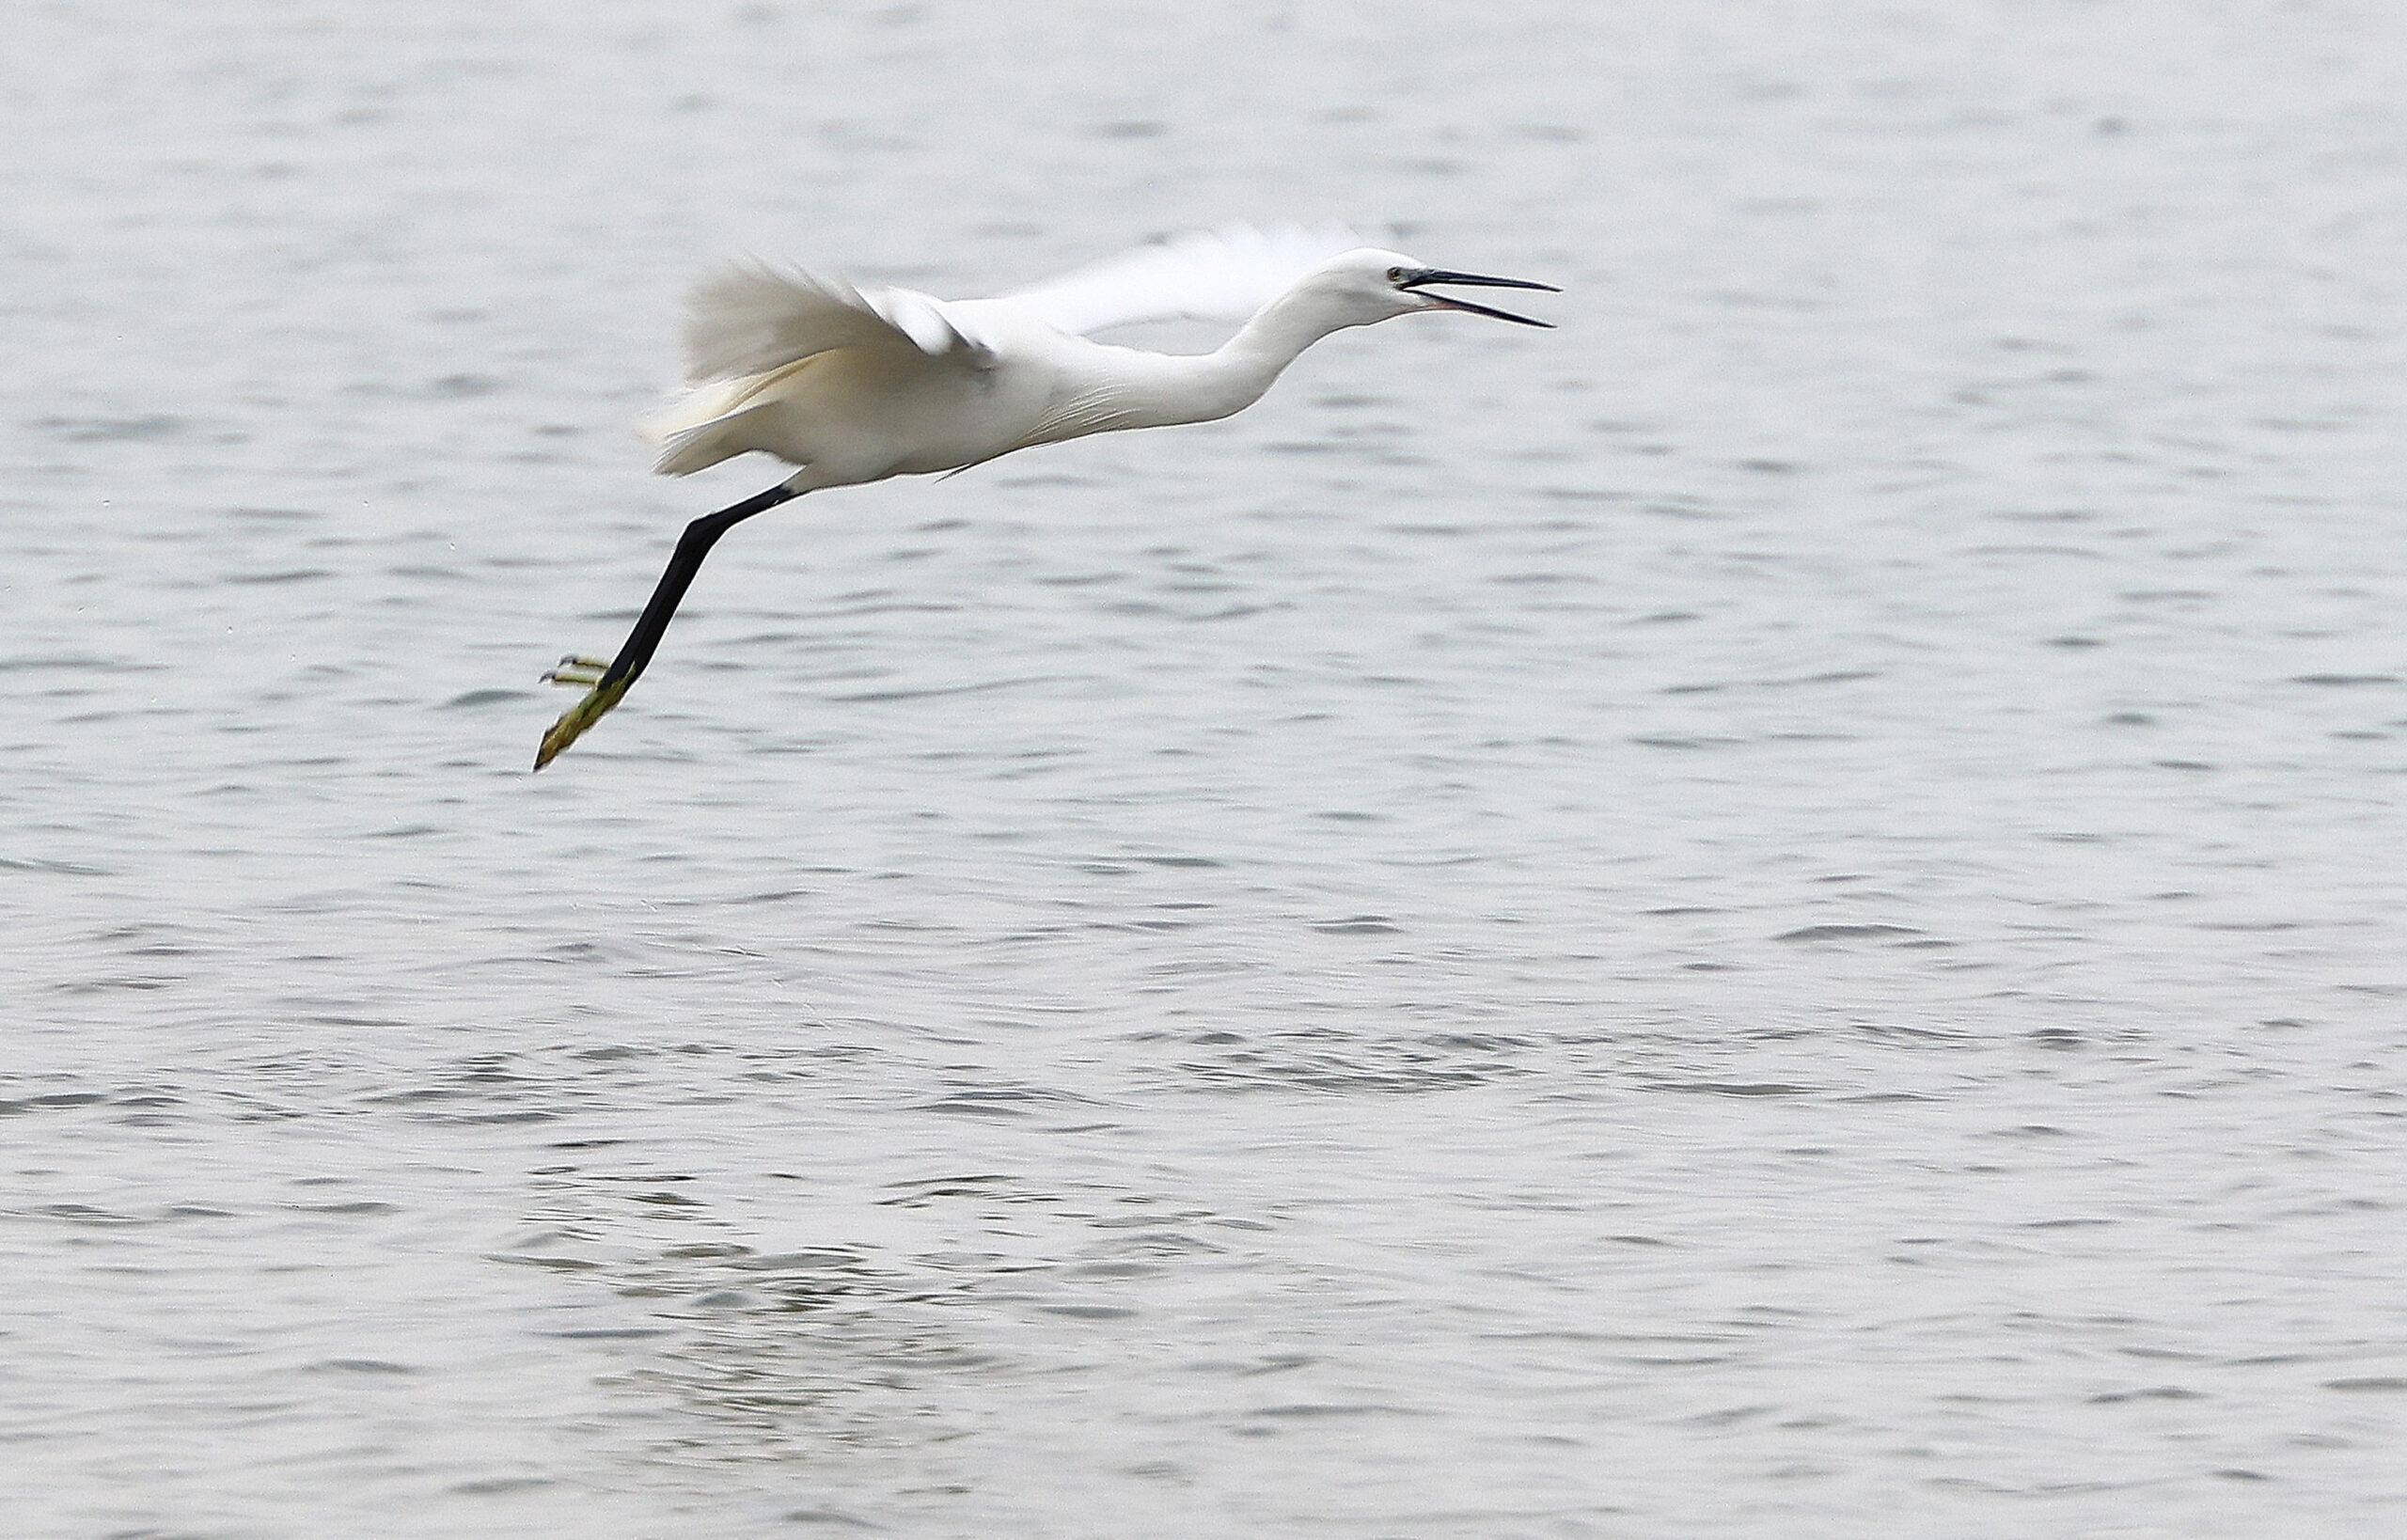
{"points": [[1780, 912]]}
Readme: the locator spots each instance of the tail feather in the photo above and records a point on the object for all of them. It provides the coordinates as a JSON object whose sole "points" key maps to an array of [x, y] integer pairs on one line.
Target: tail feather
{"points": [[706, 426], [685, 450], [710, 422]]}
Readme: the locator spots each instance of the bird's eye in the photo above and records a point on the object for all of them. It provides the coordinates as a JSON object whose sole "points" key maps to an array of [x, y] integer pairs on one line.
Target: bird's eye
{"points": [[1395, 275]]}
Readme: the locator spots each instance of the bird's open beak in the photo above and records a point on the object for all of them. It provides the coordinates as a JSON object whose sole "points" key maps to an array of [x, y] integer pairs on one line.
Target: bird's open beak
{"points": [[1476, 280]]}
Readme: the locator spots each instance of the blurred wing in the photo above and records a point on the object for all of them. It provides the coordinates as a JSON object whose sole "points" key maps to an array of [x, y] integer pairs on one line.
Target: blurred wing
{"points": [[1223, 274], [749, 319]]}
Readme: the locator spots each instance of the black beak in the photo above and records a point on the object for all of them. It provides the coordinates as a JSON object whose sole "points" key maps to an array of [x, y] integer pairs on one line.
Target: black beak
{"points": [[1476, 280]]}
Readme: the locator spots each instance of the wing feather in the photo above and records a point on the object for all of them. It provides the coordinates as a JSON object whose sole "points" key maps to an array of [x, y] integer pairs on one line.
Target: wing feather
{"points": [[749, 319], [1220, 275]]}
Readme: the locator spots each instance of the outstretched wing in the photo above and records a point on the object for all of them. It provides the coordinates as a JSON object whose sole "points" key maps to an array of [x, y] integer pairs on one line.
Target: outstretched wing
{"points": [[748, 319], [1223, 274]]}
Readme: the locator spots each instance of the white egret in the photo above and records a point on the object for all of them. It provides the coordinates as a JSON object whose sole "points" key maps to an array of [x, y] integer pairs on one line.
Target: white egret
{"points": [[856, 385]]}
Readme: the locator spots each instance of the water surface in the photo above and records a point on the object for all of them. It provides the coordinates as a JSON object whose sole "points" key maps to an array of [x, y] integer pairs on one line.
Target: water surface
{"points": [[1778, 912]]}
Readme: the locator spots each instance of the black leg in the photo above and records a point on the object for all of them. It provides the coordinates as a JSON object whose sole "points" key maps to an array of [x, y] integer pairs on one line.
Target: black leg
{"points": [[692, 546], [644, 640]]}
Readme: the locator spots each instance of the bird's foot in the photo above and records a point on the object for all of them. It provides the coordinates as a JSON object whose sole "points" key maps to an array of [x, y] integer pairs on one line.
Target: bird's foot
{"points": [[599, 698], [578, 670]]}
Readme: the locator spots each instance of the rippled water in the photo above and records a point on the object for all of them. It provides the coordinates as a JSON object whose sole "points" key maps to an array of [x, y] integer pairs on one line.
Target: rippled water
{"points": [[1779, 912]]}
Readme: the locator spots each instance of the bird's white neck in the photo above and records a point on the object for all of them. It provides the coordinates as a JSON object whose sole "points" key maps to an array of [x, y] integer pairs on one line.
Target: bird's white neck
{"points": [[1203, 387]]}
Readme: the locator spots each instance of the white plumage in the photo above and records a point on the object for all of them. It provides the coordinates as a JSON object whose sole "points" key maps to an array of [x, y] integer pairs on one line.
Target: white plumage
{"points": [[854, 383], [1223, 274], [750, 325]]}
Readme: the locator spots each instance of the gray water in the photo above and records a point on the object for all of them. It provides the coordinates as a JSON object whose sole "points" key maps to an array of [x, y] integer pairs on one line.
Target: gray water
{"points": [[1775, 913]]}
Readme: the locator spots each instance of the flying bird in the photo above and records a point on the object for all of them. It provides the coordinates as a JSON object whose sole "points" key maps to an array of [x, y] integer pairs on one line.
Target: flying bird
{"points": [[854, 383]]}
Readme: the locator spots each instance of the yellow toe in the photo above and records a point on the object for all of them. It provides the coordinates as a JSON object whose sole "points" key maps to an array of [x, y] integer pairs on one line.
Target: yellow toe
{"points": [[575, 720]]}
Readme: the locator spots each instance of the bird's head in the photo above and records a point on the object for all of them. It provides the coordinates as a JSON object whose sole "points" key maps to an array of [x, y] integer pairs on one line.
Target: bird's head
{"points": [[1371, 285]]}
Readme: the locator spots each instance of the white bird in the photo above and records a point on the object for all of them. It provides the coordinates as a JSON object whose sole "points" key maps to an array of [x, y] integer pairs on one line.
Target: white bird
{"points": [[856, 385]]}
